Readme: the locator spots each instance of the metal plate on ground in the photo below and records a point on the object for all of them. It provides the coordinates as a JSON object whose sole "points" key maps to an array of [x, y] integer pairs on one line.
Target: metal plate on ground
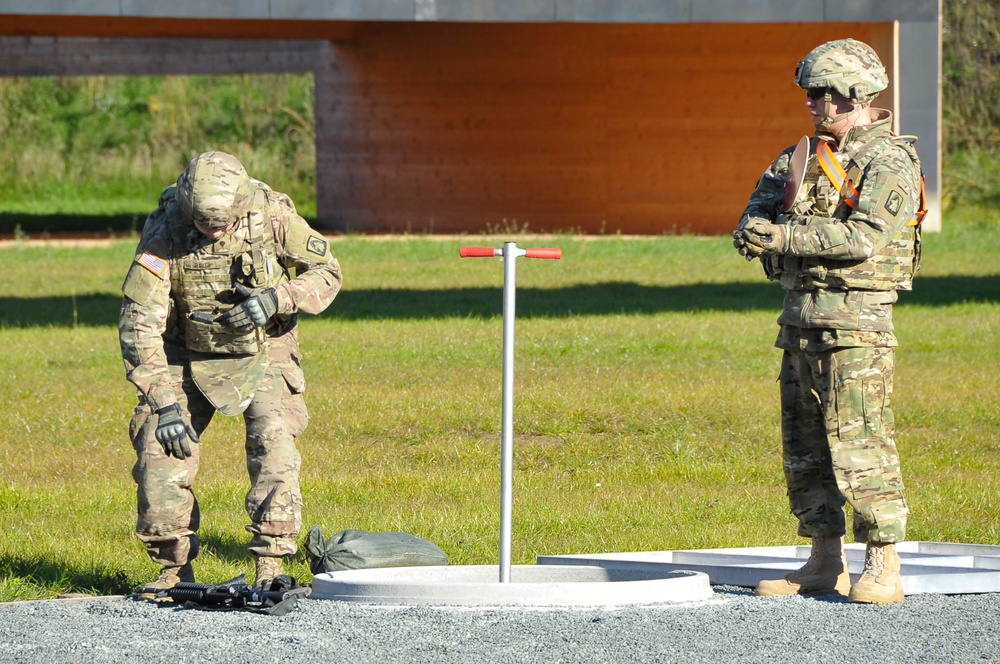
{"points": [[927, 567]]}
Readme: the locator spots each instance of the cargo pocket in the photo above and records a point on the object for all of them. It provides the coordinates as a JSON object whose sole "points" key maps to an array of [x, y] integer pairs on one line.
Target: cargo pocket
{"points": [[292, 373], [849, 388], [141, 416], [873, 401], [863, 387]]}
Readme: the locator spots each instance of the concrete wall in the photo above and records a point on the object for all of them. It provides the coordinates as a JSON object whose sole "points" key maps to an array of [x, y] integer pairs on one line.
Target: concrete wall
{"points": [[447, 115], [83, 56], [518, 11]]}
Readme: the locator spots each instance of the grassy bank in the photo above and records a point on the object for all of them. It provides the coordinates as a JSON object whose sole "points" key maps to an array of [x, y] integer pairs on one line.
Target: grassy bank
{"points": [[91, 154], [646, 408]]}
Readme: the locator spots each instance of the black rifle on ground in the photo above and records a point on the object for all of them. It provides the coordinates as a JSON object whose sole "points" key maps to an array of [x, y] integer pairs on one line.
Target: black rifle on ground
{"points": [[276, 597]]}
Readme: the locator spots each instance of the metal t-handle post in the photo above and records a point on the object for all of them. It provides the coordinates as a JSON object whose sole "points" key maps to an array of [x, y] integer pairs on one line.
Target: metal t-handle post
{"points": [[510, 252]]}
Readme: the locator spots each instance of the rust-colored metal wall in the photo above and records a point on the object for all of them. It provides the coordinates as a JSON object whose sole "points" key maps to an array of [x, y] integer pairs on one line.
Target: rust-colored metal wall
{"points": [[463, 127], [636, 128]]}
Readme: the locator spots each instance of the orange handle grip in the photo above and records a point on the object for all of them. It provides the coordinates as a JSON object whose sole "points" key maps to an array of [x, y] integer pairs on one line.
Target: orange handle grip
{"points": [[476, 252], [543, 252]]}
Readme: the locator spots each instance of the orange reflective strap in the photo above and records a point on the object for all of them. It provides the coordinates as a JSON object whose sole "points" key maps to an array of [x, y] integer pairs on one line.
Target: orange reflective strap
{"points": [[838, 176], [918, 217]]}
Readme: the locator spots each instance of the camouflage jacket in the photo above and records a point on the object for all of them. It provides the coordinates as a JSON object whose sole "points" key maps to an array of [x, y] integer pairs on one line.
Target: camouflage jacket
{"points": [[157, 305], [844, 264]]}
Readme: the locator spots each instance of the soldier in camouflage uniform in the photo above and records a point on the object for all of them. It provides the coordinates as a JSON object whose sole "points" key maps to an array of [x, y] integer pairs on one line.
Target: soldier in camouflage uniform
{"points": [[836, 221], [208, 322]]}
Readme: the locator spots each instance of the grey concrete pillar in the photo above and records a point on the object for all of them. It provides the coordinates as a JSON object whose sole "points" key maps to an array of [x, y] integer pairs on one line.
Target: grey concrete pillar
{"points": [[327, 216], [920, 103]]}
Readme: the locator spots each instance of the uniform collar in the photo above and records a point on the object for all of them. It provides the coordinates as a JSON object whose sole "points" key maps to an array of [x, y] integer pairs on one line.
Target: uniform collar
{"points": [[881, 123]]}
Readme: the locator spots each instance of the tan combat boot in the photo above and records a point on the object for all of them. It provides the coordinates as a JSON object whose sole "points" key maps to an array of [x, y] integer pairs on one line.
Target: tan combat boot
{"points": [[266, 568], [825, 573], [881, 582], [169, 577]]}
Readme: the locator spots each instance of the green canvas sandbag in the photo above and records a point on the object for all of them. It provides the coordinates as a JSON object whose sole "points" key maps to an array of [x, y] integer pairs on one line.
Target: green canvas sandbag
{"points": [[360, 549]]}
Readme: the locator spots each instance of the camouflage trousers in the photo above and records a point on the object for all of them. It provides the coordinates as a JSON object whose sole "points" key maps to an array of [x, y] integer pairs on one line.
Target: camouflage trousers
{"points": [[837, 438], [168, 514]]}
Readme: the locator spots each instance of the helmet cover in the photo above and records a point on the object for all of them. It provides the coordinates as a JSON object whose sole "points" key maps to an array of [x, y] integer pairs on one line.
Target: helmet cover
{"points": [[849, 66], [214, 190]]}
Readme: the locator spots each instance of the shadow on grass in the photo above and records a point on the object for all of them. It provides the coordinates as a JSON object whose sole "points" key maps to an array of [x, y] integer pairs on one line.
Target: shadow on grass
{"points": [[61, 577], [228, 548], [16, 223], [583, 300]]}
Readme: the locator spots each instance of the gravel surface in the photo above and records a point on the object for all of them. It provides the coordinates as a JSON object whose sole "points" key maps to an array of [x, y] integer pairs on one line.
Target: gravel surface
{"points": [[732, 625]]}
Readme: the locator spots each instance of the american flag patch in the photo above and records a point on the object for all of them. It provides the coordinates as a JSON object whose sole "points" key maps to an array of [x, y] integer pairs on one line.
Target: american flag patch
{"points": [[151, 263]]}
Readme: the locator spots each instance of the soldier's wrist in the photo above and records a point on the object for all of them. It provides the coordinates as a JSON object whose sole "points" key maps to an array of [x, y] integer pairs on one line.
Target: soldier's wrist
{"points": [[158, 398], [169, 408], [786, 237], [284, 300]]}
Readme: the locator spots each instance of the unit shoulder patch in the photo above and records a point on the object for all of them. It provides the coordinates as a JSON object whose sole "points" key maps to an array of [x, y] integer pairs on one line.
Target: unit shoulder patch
{"points": [[893, 202], [894, 199], [303, 243], [316, 245]]}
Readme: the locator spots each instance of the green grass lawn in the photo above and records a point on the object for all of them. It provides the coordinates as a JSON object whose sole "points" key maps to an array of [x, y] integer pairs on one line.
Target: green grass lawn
{"points": [[646, 406]]}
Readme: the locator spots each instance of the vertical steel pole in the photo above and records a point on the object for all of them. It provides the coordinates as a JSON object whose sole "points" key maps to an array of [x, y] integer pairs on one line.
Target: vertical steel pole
{"points": [[510, 254]]}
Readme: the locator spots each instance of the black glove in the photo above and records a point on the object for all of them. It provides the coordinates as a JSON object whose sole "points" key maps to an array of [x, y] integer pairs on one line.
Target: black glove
{"points": [[173, 430], [747, 251], [254, 311], [761, 236]]}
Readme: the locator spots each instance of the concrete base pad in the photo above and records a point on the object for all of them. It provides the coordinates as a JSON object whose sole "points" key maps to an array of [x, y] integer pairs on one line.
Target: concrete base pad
{"points": [[927, 567], [529, 585]]}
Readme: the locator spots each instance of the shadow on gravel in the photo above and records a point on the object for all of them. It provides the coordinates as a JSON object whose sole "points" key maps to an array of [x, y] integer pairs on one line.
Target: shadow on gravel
{"points": [[608, 298], [737, 591]]}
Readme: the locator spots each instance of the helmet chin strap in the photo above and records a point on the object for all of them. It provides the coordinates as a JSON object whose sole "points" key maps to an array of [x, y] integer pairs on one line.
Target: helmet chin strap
{"points": [[828, 119]]}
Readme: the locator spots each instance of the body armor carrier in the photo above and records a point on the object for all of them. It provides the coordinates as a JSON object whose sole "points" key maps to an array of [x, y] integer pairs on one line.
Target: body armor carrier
{"points": [[204, 273], [892, 269]]}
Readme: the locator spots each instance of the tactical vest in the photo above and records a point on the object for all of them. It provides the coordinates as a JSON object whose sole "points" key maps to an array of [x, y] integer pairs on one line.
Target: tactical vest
{"points": [[204, 271], [820, 199]]}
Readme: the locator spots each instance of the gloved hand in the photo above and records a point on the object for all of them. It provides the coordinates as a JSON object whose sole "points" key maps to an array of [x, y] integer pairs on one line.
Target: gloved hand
{"points": [[747, 251], [254, 311], [761, 235], [173, 430]]}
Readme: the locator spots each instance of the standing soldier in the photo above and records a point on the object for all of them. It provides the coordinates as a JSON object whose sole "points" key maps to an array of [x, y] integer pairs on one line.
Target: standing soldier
{"points": [[836, 220], [208, 322]]}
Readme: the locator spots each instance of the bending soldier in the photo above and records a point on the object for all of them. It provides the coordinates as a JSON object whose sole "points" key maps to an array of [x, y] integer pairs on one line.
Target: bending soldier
{"points": [[836, 221], [208, 322]]}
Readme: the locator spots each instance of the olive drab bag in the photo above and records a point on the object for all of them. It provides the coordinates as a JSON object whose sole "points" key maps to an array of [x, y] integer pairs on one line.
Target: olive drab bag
{"points": [[359, 549]]}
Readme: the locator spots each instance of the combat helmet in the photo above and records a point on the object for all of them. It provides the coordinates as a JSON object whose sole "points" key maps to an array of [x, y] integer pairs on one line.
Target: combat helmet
{"points": [[849, 66], [214, 190]]}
